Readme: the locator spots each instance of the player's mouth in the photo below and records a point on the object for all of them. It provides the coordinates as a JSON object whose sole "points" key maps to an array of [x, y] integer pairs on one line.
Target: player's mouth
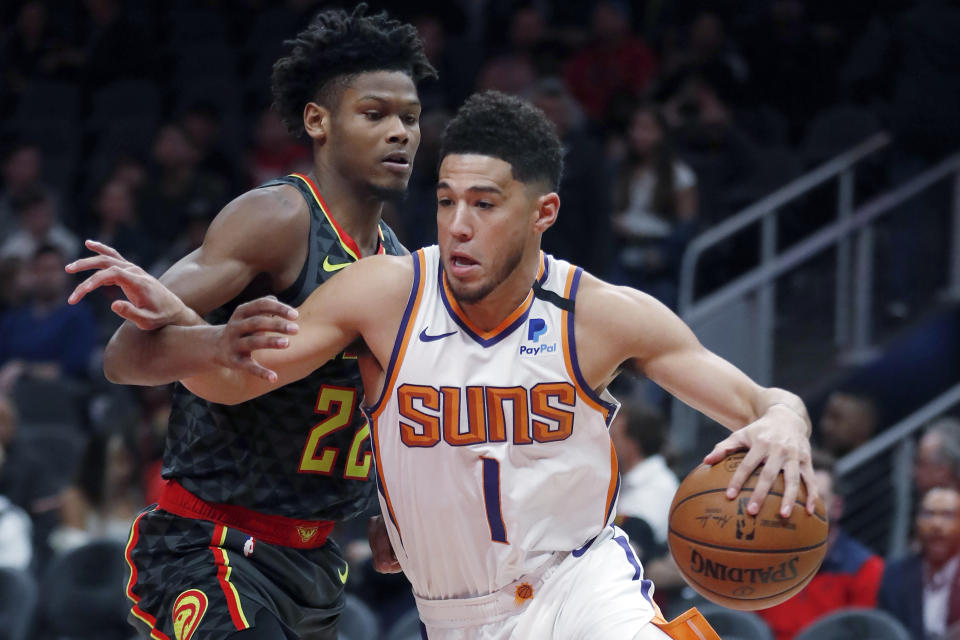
{"points": [[398, 162], [462, 265]]}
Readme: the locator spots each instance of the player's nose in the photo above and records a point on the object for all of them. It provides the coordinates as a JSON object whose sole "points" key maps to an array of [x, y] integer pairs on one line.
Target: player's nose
{"points": [[398, 132]]}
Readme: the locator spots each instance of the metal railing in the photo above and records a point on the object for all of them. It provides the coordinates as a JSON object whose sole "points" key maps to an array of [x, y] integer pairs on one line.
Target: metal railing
{"points": [[760, 280], [897, 441]]}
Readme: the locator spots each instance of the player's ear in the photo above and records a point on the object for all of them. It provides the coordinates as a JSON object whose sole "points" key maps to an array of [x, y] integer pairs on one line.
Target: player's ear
{"points": [[547, 207], [316, 121]]}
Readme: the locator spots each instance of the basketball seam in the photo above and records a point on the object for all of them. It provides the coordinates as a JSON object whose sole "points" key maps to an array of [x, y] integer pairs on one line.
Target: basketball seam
{"points": [[765, 597], [745, 550], [744, 489]]}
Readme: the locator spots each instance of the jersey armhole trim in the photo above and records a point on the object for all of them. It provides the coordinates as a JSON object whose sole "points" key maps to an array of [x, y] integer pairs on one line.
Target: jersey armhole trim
{"points": [[586, 393], [403, 334]]}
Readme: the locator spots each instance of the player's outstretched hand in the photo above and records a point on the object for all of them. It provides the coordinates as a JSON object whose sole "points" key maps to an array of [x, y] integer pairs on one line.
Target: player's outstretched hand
{"points": [[779, 441], [384, 559], [263, 323], [149, 304]]}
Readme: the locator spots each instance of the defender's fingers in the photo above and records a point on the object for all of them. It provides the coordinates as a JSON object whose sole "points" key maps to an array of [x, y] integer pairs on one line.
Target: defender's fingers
{"points": [[266, 306], [102, 248], [103, 278], [771, 467], [263, 324], [791, 486], [809, 481], [144, 320], [249, 344], [249, 365], [96, 262]]}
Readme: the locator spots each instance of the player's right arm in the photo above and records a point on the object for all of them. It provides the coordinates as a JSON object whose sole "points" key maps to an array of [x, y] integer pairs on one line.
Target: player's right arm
{"points": [[261, 233], [365, 301]]}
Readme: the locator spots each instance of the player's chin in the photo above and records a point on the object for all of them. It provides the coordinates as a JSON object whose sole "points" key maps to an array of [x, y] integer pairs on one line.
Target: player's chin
{"points": [[394, 191]]}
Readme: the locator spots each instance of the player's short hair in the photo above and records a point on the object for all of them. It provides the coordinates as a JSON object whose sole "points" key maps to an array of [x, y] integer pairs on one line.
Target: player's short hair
{"points": [[336, 46], [501, 126]]}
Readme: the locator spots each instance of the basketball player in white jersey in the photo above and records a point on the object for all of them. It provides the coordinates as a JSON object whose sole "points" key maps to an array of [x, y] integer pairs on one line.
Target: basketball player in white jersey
{"points": [[485, 375]]}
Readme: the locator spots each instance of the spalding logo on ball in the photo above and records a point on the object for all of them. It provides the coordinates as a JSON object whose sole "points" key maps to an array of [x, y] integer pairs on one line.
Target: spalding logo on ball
{"points": [[735, 559]]}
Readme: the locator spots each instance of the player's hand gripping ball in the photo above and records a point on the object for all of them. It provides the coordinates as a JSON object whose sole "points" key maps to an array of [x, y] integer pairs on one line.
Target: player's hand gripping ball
{"points": [[737, 560]]}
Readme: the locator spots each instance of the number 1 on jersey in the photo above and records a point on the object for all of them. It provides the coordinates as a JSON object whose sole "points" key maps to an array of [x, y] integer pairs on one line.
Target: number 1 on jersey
{"points": [[491, 498]]}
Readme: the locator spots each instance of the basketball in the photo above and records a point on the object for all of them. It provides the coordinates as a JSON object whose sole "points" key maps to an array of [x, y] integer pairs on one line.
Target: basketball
{"points": [[737, 560]]}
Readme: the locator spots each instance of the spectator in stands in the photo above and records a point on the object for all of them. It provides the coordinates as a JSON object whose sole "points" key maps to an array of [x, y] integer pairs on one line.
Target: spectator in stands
{"points": [[923, 590], [582, 234], [456, 64], [38, 224], [117, 222], [937, 463], [116, 47], [32, 49], [849, 576], [615, 63], [175, 186], [20, 171], [656, 204], [848, 420], [11, 283], [722, 156], [46, 337], [275, 153], [647, 483], [105, 498], [203, 124]]}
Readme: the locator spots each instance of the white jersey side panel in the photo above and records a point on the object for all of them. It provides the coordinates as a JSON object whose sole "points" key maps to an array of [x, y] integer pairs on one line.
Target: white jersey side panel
{"points": [[491, 453]]}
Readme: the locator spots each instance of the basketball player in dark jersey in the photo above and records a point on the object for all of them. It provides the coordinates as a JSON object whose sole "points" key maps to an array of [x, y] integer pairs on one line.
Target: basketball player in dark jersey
{"points": [[238, 547]]}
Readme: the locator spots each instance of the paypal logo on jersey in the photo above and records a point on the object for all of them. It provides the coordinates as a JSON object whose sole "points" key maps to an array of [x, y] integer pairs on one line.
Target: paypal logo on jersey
{"points": [[536, 328]]}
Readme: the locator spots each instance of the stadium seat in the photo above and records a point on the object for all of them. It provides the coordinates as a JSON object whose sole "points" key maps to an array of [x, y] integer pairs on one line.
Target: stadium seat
{"points": [[357, 621], [43, 99], [46, 401], [82, 593], [835, 130], [730, 623], [407, 627], [856, 623], [18, 603], [60, 447]]}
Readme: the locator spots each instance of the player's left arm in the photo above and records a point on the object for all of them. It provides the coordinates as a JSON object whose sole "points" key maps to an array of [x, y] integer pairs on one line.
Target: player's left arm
{"points": [[616, 324]]}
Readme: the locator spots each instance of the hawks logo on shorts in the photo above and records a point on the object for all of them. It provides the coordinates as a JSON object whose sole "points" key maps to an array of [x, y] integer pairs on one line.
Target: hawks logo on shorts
{"points": [[188, 610]]}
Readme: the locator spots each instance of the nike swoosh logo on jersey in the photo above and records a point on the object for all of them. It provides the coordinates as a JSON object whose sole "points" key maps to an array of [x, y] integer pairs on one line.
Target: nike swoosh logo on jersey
{"points": [[425, 337], [343, 574], [329, 266]]}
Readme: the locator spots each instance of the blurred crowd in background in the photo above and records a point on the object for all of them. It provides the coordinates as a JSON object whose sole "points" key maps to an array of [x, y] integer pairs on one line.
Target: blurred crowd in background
{"points": [[134, 122]]}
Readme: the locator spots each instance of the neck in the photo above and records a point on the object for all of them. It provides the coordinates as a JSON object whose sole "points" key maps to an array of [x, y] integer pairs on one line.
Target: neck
{"points": [[358, 213], [494, 308]]}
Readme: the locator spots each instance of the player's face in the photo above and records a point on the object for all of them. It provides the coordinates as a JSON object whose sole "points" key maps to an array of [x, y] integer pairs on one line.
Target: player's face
{"points": [[485, 222], [375, 131]]}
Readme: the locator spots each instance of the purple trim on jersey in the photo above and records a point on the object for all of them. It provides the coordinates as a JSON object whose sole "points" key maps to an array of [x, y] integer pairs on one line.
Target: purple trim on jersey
{"points": [[403, 329], [613, 501], [466, 329], [491, 499], [627, 549], [645, 587], [576, 553], [610, 407], [546, 269], [373, 445]]}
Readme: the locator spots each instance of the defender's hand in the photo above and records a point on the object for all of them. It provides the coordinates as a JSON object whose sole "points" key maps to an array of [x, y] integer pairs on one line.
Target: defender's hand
{"points": [[779, 441], [384, 559], [149, 304], [255, 325]]}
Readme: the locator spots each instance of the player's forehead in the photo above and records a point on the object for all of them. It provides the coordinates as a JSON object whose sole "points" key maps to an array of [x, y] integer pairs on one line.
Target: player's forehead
{"points": [[389, 86], [461, 172]]}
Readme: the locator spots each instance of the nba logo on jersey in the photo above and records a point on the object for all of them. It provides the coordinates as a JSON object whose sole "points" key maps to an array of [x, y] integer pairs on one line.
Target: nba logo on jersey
{"points": [[536, 328]]}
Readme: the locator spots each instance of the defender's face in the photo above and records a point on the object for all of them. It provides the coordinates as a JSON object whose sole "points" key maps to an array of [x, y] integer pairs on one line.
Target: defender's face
{"points": [[375, 131], [484, 222]]}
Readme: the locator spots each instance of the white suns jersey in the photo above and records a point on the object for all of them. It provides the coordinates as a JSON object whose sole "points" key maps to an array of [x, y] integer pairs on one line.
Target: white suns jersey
{"points": [[492, 453]]}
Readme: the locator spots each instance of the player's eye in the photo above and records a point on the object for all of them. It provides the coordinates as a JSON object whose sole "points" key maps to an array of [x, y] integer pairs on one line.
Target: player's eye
{"points": [[444, 202], [373, 115], [411, 119], [483, 204]]}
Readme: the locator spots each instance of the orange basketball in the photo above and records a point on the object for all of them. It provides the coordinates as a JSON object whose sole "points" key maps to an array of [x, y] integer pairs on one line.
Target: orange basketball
{"points": [[735, 559]]}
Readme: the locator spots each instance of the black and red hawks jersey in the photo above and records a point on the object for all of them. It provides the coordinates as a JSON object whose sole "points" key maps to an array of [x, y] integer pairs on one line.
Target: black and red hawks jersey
{"points": [[301, 451]]}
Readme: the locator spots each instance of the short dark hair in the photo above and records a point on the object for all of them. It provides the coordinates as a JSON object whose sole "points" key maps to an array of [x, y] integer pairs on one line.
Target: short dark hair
{"points": [[645, 426], [336, 46], [505, 127]]}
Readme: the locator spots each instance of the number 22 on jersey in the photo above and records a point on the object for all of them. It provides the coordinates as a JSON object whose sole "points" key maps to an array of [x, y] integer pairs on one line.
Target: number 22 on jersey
{"points": [[338, 405]]}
